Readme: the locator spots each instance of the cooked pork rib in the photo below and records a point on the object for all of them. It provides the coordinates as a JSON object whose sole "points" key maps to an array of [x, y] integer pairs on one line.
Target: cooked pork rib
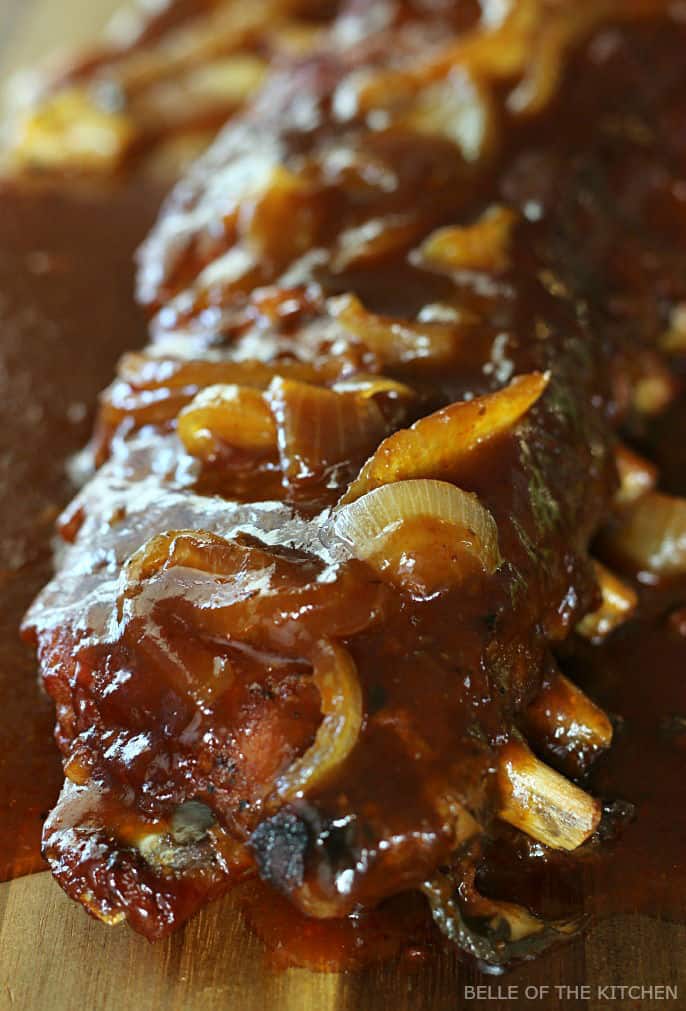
{"points": [[306, 617]]}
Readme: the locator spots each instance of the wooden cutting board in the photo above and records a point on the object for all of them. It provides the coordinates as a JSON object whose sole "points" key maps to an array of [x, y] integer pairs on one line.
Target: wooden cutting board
{"points": [[53, 956]]}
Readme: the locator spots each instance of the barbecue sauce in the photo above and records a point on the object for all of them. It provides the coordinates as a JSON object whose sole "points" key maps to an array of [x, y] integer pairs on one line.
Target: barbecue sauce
{"points": [[67, 313]]}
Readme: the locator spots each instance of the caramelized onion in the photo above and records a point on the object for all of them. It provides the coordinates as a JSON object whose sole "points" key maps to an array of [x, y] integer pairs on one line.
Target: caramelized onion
{"points": [[524, 41], [436, 445], [318, 427], [375, 239], [120, 403], [481, 246], [283, 218], [227, 416], [396, 341], [257, 596], [312, 427], [374, 386], [421, 534], [651, 535], [153, 391], [145, 372], [179, 103], [196, 43], [229, 80], [393, 399], [458, 108], [191, 549], [335, 676]]}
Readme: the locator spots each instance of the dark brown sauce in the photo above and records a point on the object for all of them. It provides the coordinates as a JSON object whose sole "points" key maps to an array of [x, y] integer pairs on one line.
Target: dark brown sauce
{"points": [[66, 313], [65, 276], [639, 677]]}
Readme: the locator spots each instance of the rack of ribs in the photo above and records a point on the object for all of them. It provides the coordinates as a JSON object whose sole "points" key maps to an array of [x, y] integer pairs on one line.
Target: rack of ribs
{"points": [[367, 478]]}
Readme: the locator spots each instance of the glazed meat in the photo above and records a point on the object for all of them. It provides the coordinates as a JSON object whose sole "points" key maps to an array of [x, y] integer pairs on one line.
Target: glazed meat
{"points": [[306, 618]]}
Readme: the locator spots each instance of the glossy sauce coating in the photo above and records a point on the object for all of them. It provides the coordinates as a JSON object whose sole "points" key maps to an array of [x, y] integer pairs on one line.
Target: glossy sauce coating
{"points": [[539, 303], [57, 348]]}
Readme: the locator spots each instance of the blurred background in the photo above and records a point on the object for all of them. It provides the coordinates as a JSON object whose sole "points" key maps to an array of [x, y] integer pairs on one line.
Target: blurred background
{"points": [[29, 29]]}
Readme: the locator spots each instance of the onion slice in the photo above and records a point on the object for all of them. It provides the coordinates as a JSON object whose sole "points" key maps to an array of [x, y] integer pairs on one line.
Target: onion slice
{"points": [[318, 427], [435, 446], [652, 535], [397, 342], [482, 245], [422, 534], [237, 417], [335, 676], [192, 549], [153, 390], [144, 371]]}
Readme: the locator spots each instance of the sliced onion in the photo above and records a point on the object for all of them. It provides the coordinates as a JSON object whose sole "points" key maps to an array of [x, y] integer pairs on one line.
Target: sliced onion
{"points": [[193, 44], [318, 427], [156, 406], [458, 108], [652, 535], [393, 398], [397, 342], [227, 416], [375, 239], [174, 565], [524, 40], [283, 219], [249, 594], [192, 549], [336, 678], [201, 94], [374, 386], [483, 245], [423, 535], [436, 445], [154, 391], [143, 371]]}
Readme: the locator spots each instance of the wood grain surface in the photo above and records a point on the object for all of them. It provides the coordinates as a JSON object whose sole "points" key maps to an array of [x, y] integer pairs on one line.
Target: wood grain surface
{"points": [[53, 956]]}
